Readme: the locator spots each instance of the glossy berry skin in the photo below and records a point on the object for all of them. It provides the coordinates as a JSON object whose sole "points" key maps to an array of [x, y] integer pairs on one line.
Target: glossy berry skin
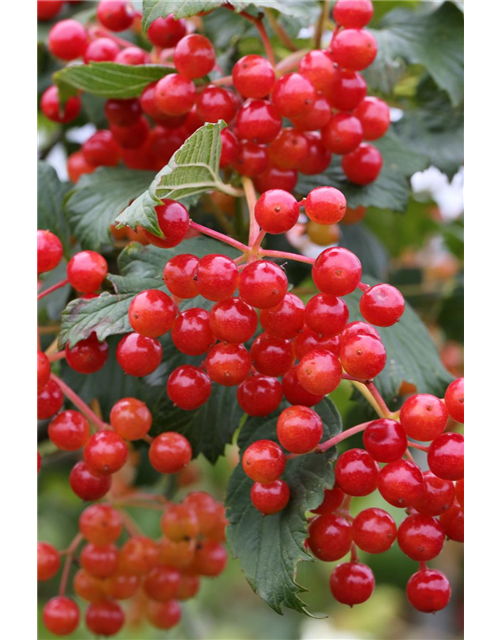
{"points": [[318, 67], [69, 430], [293, 95], [288, 149], [100, 561], [104, 618], [263, 284], [137, 355], [230, 148], [216, 277], [133, 136], [51, 108], [325, 205], [139, 555], [446, 456], [175, 95], [215, 103], [274, 178], [253, 76], [359, 328], [332, 499], [382, 305], [166, 32], [352, 583], [401, 483], [228, 364], [100, 524], [363, 357], [276, 211], [178, 555], [161, 583], [132, 56], [259, 395], [342, 134], [163, 615], [353, 14], [421, 537], [170, 452], [454, 400], [179, 522], [189, 387], [286, 319], [86, 271], [194, 56], [270, 498], [428, 590], [437, 497], [374, 116], [49, 251], [233, 320], [453, 522], [356, 472], [354, 49], [459, 490], [330, 537], [67, 40], [87, 484], [48, 561], [173, 220], [48, 9], [123, 113], [326, 315], [43, 370], [374, 530], [105, 452], [101, 149], [299, 429], [252, 159], [362, 165], [151, 313], [336, 271], [115, 15], [264, 461], [308, 340], [101, 50], [121, 586], [272, 356], [191, 332], [423, 417], [61, 615], [258, 121], [295, 393], [49, 401], [206, 509], [179, 275], [385, 440], [319, 372], [77, 166], [88, 587], [347, 91], [316, 118], [87, 356], [210, 558]]}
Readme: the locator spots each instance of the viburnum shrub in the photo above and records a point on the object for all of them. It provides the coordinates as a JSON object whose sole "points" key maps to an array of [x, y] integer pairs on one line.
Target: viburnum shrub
{"points": [[210, 320]]}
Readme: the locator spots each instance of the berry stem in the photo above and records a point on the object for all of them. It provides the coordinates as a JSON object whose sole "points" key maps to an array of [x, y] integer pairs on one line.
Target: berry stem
{"points": [[290, 62], [409, 456], [258, 241], [224, 81], [218, 236], [279, 30], [57, 356], [328, 444], [251, 198], [363, 287], [257, 22], [285, 255], [367, 394], [54, 287], [67, 562], [378, 399], [79, 403]]}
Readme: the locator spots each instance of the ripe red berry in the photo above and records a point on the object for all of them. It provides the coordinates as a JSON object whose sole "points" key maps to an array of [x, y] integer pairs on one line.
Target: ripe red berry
{"points": [[115, 15], [270, 498], [421, 537], [353, 13], [308, 340], [263, 461], [423, 417], [180, 522], [362, 165], [347, 90], [189, 387], [87, 356], [319, 372], [69, 430], [428, 590], [49, 251], [319, 68], [385, 440], [51, 108], [166, 32], [342, 134], [101, 50], [87, 484], [173, 220], [276, 211], [325, 205], [286, 319], [194, 56], [132, 56], [375, 117], [179, 275], [161, 583], [252, 159], [48, 9], [362, 357], [446, 456], [330, 537], [454, 400], [43, 370], [253, 76], [210, 558], [101, 561], [374, 530], [453, 522], [151, 313], [104, 618], [230, 148], [123, 113], [170, 452], [263, 284], [175, 95], [216, 277], [102, 150], [121, 586], [437, 497], [48, 561], [352, 583], [288, 149], [272, 356], [258, 121], [459, 490], [233, 320], [105, 452], [382, 305], [273, 177], [318, 158], [191, 332], [228, 364], [354, 49], [49, 401], [213, 104], [100, 524], [316, 118], [77, 166], [61, 615], [401, 483], [332, 499], [259, 395], [163, 615], [139, 555], [359, 328], [293, 95], [326, 315], [67, 40], [138, 355], [132, 136], [86, 271], [295, 393], [336, 271], [356, 472], [299, 429]]}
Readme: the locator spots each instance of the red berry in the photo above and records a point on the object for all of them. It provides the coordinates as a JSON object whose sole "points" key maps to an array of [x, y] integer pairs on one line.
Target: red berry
{"points": [[175, 95], [318, 158], [69, 430], [401, 483], [446, 456], [307, 340], [252, 159], [293, 95], [151, 313], [319, 372], [86, 271], [170, 452], [216, 277], [133, 136], [258, 121], [49, 251], [179, 275], [347, 90], [352, 583], [210, 558], [191, 332], [215, 103], [123, 113], [166, 32], [454, 400], [375, 117], [104, 618], [101, 149], [272, 177], [139, 555], [163, 615], [67, 40], [299, 429], [50, 400], [270, 498], [272, 356], [173, 220], [121, 586], [325, 205], [353, 13], [437, 497], [51, 108], [385, 440], [101, 561], [253, 76], [180, 522], [77, 166], [423, 417], [354, 49], [362, 357], [421, 537], [330, 537], [48, 9], [228, 364], [259, 395], [61, 615], [105, 452], [374, 530], [87, 484], [295, 393], [288, 149], [319, 68], [137, 355], [342, 134], [359, 328], [276, 211], [263, 284], [362, 165], [263, 461], [356, 472], [459, 490], [233, 320], [101, 50], [206, 508], [326, 315], [161, 583], [336, 271], [132, 56], [453, 522], [189, 387], [194, 56], [87, 356], [428, 590], [230, 148], [48, 561], [100, 524], [43, 370], [286, 319], [315, 118], [332, 499], [382, 305], [115, 15]]}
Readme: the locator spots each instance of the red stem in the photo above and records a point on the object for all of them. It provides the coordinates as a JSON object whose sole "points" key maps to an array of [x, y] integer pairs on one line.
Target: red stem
{"points": [[258, 240], [54, 287], [288, 256], [363, 287], [219, 236], [378, 398], [67, 562], [262, 31], [328, 444], [421, 447], [57, 356], [80, 404]]}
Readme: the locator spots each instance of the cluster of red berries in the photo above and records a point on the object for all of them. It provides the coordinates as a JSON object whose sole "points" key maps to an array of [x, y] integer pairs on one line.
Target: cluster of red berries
{"points": [[324, 100], [156, 574]]}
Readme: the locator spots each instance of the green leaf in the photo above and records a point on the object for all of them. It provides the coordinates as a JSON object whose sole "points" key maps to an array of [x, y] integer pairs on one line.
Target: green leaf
{"points": [[433, 38], [108, 79], [51, 192], [372, 253], [269, 548], [96, 200]]}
